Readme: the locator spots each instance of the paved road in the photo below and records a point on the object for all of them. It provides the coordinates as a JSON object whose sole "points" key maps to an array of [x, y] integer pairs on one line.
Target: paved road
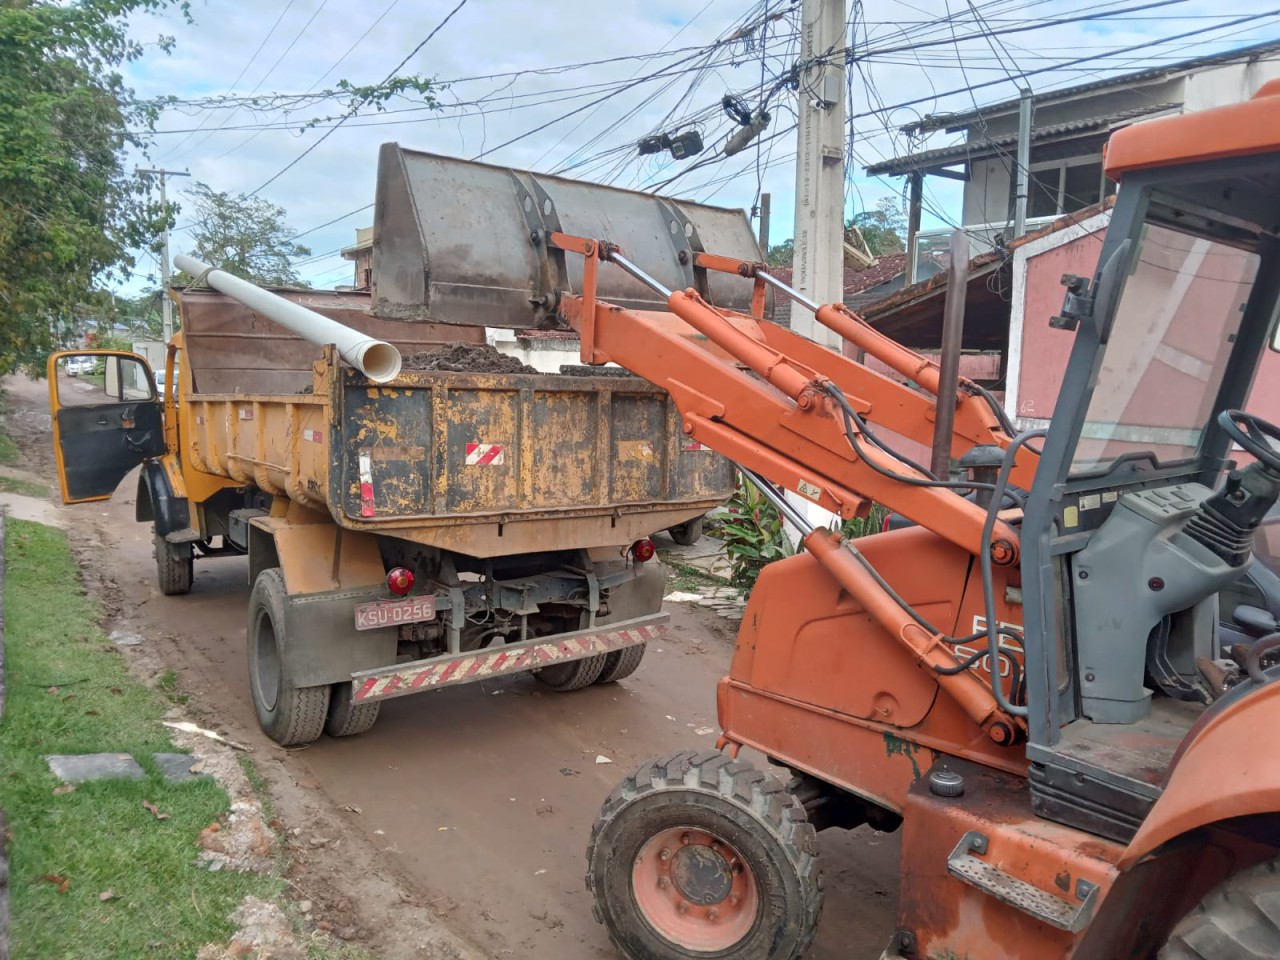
{"points": [[481, 797]]}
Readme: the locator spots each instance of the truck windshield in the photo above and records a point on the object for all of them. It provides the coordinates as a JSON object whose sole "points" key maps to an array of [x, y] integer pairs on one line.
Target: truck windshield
{"points": [[1177, 318]]}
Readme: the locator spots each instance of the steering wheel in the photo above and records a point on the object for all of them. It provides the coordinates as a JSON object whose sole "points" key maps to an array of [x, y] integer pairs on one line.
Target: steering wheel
{"points": [[1254, 435]]}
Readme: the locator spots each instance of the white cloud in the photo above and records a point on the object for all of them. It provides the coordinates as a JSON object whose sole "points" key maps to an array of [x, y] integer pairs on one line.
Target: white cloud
{"points": [[493, 36]]}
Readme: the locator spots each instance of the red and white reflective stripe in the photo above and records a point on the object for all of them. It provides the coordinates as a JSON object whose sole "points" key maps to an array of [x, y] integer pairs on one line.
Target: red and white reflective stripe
{"points": [[484, 455], [313, 435], [246, 413], [693, 445], [485, 664], [366, 485]]}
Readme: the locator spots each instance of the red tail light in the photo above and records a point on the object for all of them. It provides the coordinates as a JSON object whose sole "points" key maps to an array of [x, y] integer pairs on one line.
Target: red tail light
{"points": [[643, 550], [400, 581], [884, 524]]}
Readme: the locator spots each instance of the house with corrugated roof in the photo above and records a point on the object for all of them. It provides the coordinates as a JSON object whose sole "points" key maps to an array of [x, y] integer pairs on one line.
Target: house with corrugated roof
{"points": [[1069, 129]]}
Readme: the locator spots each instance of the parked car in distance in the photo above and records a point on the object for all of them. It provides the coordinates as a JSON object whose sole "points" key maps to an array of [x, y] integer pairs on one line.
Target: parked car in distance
{"points": [[78, 365]]}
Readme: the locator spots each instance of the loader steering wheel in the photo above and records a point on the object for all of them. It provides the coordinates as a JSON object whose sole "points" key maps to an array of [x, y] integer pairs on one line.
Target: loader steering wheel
{"points": [[1254, 435]]}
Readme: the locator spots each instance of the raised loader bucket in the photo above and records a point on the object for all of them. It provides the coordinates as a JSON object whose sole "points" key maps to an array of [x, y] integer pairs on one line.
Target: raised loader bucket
{"points": [[461, 242]]}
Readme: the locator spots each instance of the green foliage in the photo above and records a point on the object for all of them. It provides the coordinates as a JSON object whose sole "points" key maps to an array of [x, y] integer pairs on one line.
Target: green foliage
{"points": [[754, 534], [141, 315], [70, 692], [349, 96], [782, 254], [244, 235], [882, 227], [69, 210]]}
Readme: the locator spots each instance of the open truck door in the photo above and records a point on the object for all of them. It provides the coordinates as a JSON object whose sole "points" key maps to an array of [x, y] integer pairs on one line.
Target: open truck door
{"points": [[106, 420]]}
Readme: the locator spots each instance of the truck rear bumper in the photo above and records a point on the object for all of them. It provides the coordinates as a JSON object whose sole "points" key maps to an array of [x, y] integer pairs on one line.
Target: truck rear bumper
{"points": [[419, 676]]}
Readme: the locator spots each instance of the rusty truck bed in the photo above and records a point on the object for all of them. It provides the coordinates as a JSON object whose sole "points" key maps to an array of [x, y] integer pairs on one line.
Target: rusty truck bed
{"points": [[486, 464]]}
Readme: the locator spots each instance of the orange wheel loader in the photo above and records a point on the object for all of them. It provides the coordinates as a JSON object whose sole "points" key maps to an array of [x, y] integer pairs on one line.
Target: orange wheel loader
{"points": [[1025, 680]]}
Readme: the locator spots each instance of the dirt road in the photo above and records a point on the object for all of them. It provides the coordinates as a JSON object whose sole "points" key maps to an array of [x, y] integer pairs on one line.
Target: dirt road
{"points": [[478, 799]]}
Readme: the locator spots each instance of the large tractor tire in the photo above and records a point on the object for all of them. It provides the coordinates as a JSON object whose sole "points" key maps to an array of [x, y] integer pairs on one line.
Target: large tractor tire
{"points": [[175, 566], [574, 675], [1237, 920], [698, 855], [621, 663], [288, 714], [346, 717]]}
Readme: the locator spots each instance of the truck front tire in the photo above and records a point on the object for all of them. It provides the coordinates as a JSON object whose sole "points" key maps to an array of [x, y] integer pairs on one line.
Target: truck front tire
{"points": [[174, 566], [288, 714]]}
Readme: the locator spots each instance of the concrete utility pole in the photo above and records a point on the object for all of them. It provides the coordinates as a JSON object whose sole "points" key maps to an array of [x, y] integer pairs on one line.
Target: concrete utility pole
{"points": [[1024, 164], [766, 201], [820, 149], [166, 305]]}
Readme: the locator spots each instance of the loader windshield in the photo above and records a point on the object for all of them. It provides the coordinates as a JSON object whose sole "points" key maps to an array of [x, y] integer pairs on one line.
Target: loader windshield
{"points": [[1176, 322]]}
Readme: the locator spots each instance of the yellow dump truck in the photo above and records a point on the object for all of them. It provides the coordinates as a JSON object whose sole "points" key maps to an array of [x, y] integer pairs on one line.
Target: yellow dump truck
{"points": [[411, 531]]}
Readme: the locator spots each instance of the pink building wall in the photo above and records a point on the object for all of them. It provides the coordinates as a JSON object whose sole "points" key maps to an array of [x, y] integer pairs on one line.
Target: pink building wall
{"points": [[1168, 337]]}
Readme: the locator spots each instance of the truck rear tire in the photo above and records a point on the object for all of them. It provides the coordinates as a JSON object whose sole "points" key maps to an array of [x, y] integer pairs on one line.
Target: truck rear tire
{"points": [[347, 718], [621, 663], [574, 675], [1237, 920], [687, 534], [699, 855], [175, 564], [288, 714]]}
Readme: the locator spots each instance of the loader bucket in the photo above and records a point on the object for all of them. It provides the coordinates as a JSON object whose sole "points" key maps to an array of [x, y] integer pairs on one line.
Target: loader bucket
{"points": [[461, 242]]}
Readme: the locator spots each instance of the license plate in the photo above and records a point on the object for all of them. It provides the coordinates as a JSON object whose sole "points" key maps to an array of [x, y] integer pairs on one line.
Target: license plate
{"points": [[390, 613]]}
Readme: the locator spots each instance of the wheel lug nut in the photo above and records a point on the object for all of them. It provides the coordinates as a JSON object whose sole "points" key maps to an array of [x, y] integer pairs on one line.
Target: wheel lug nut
{"points": [[682, 907], [733, 899], [713, 914], [715, 847], [663, 883], [664, 854], [686, 839]]}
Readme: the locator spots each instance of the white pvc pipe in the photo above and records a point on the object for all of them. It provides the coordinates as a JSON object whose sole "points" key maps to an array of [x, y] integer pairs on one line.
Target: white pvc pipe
{"points": [[376, 359]]}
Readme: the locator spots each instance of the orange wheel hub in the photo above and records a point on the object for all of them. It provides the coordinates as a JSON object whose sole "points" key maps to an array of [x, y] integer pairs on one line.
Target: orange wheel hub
{"points": [[694, 889]]}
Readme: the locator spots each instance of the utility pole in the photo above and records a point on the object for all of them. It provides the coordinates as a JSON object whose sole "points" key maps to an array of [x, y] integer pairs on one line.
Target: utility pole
{"points": [[820, 150], [166, 305], [1024, 164], [766, 200]]}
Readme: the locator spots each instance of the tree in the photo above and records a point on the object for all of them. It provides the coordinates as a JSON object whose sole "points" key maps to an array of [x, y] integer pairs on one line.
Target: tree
{"points": [[244, 235], [882, 227], [70, 213]]}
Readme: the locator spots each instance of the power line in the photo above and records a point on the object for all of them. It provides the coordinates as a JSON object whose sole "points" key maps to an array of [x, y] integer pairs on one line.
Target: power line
{"points": [[252, 57], [292, 163]]}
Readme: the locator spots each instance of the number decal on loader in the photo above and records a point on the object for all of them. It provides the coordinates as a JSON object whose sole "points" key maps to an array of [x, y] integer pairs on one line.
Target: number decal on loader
{"points": [[1006, 642]]}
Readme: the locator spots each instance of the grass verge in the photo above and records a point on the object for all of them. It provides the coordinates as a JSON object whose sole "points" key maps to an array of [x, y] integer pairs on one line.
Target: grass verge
{"points": [[70, 692], [25, 488], [8, 449]]}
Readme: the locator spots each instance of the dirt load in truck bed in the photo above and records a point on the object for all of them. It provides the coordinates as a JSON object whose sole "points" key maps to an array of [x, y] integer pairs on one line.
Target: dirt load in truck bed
{"points": [[466, 358]]}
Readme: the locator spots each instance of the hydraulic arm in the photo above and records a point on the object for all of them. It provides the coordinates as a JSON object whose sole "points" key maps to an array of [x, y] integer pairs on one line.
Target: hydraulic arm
{"points": [[801, 416]]}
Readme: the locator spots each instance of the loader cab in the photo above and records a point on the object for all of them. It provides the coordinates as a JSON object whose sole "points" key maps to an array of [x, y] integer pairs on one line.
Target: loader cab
{"points": [[1129, 532]]}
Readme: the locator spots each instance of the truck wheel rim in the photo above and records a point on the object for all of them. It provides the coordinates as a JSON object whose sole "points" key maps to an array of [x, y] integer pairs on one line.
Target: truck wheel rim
{"points": [[695, 889], [268, 662]]}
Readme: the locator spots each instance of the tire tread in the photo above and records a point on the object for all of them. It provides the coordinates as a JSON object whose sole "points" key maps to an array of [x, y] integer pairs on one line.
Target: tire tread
{"points": [[737, 781]]}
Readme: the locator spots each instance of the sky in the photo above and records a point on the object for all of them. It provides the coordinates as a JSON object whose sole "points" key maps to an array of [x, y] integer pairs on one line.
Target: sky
{"points": [[663, 66]]}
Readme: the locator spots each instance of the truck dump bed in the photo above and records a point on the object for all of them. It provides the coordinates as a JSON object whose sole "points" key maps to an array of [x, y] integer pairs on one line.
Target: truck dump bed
{"points": [[485, 464]]}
